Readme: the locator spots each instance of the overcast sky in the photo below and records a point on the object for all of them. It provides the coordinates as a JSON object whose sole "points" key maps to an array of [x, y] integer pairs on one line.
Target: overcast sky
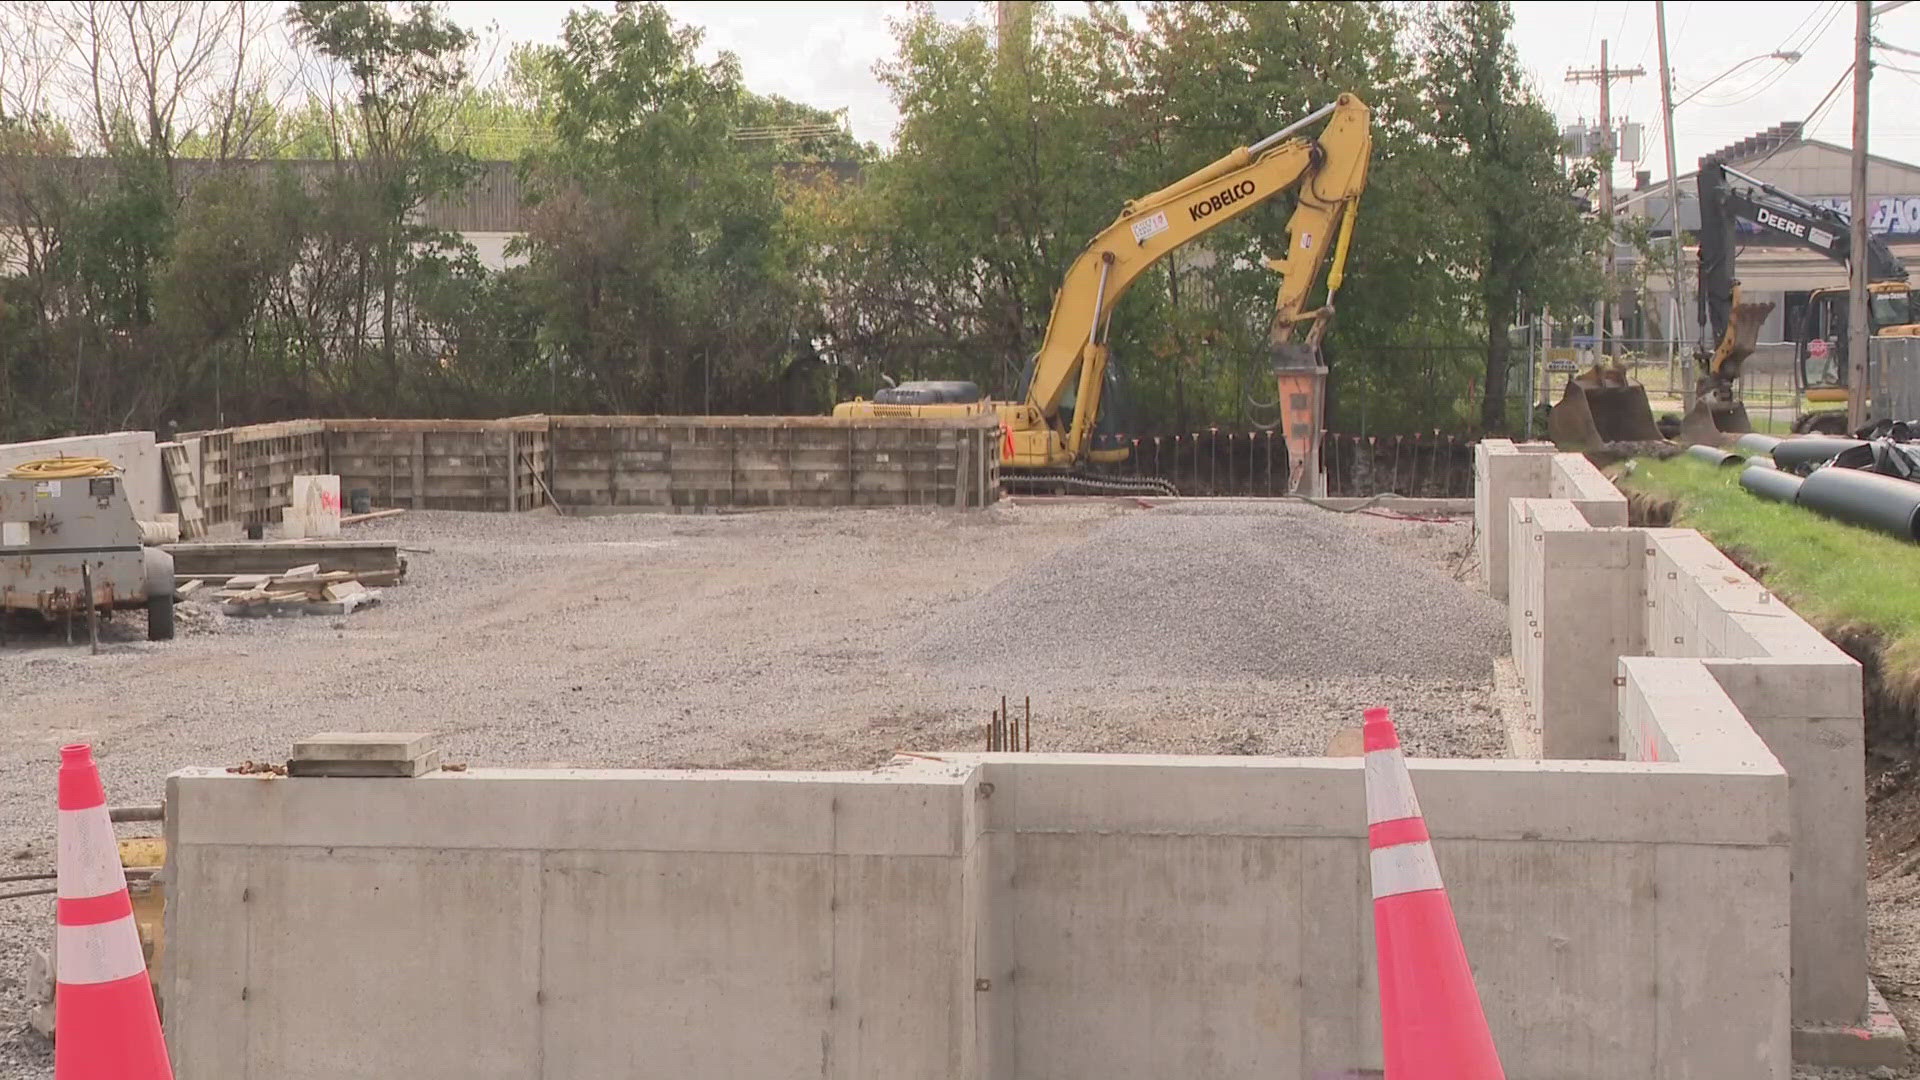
{"points": [[824, 53]]}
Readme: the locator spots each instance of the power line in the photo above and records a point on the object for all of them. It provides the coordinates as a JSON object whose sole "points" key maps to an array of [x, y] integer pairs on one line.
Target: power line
{"points": [[1807, 124]]}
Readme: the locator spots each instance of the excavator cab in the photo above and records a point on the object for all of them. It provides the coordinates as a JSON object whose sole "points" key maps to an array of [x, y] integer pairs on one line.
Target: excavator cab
{"points": [[1602, 404]]}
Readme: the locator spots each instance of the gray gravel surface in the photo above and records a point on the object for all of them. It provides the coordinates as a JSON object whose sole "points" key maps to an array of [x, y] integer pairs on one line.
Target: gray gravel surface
{"points": [[787, 640], [1218, 594]]}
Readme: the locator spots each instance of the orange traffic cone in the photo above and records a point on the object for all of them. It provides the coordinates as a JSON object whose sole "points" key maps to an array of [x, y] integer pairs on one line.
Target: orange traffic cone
{"points": [[105, 1024], [1430, 1016]]}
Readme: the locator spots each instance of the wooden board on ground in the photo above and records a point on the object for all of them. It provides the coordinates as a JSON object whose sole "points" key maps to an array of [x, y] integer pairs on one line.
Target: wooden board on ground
{"points": [[273, 557]]}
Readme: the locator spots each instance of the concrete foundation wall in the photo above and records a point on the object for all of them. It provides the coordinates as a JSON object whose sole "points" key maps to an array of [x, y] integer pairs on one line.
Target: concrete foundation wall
{"points": [[1004, 916], [1572, 588], [135, 452]]}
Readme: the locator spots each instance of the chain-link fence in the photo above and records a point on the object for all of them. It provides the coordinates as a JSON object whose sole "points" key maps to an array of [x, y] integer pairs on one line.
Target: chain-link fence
{"points": [[1769, 381]]}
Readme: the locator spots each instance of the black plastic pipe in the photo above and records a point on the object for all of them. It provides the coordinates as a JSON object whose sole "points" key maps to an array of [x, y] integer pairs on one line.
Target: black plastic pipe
{"points": [[1755, 443], [1761, 461], [1863, 498], [1808, 450], [1713, 455], [1770, 483]]}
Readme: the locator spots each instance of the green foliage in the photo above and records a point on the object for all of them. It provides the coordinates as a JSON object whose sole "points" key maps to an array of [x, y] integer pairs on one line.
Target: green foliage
{"points": [[693, 246], [1515, 226], [658, 253]]}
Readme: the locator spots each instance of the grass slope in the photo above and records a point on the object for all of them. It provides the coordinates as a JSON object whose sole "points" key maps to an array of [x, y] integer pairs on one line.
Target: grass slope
{"points": [[1840, 577]]}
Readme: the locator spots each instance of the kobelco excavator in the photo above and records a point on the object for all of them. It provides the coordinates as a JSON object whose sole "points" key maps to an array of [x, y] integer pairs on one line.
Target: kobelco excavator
{"points": [[1050, 428]]}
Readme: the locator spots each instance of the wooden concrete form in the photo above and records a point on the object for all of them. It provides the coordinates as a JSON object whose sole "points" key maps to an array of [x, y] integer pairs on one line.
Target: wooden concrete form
{"points": [[246, 473], [484, 465], [695, 463], [279, 556], [600, 464]]}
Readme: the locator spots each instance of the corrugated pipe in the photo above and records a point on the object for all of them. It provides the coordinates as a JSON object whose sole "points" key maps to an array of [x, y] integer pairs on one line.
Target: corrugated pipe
{"points": [[1863, 498], [1770, 483], [1805, 451], [1713, 455], [1755, 443]]}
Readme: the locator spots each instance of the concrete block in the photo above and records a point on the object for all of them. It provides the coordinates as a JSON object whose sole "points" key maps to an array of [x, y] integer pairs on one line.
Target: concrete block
{"points": [[646, 953], [571, 809], [459, 929], [1573, 477], [1501, 473], [1876, 1040], [1145, 957], [364, 746], [1721, 930], [313, 508], [1825, 757], [1567, 997]]}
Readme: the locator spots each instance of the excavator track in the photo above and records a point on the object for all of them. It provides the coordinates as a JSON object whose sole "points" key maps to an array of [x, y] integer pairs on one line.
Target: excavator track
{"points": [[1069, 482]]}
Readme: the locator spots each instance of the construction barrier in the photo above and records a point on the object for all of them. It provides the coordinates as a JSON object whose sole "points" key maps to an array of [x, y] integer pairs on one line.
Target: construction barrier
{"points": [[1431, 1022], [106, 1025]]}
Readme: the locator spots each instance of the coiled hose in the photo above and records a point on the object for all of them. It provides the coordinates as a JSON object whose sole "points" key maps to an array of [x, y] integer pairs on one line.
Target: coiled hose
{"points": [[62, 468]]}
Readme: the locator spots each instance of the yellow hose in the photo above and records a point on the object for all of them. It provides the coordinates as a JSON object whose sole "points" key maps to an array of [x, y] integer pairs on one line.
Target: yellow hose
{"points": [[62, 468]]}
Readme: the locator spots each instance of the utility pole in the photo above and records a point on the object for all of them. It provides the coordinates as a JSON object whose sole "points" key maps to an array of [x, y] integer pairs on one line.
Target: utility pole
{"points": [[1679, 290], [1604, 76], [1859, 328]]}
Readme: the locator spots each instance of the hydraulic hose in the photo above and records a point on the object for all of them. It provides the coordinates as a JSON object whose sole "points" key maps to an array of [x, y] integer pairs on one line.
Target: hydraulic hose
{"points": [[62, 468]]}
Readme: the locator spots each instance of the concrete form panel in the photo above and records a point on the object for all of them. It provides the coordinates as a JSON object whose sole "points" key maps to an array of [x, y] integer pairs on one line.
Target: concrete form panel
{"points": [[1148, 957], [448, 948], [686, 964], [904, 995], [1568, 998], [1720, 928]]}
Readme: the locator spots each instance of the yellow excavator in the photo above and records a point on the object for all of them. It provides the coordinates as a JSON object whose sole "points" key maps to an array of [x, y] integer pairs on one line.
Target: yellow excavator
{"points": [[1050, 428]]}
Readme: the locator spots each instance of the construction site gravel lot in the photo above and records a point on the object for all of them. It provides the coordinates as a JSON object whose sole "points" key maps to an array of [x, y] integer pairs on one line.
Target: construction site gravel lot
{"points": [[787, 640]]}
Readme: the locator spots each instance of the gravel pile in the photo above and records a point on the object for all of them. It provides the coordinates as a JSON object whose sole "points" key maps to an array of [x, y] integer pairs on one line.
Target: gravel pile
{"points": [[1280, 592]]}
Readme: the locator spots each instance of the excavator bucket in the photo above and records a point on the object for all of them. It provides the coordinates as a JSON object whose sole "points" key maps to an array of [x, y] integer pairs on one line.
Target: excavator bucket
{"points": [[1601, 405], [1710, 420], [1716, 411]]}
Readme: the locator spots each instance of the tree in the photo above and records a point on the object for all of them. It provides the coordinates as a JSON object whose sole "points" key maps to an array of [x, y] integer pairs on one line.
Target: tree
{"points": [[1517, 224], [402, 70], [659, 251]]}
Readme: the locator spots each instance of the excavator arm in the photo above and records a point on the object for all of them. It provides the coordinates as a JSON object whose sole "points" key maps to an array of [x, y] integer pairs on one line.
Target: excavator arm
{"points": [[1727, 196], [1327, 175]]}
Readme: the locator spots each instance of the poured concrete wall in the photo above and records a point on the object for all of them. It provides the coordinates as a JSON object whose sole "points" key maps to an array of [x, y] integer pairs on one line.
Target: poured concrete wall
{"points": [[1799, 692], [133, 451], [1003, 916]]}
